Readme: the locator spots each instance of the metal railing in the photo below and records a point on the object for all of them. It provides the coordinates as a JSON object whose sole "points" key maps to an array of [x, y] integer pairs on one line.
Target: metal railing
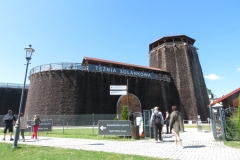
{"points": [[58, 66], [96, 68], [13, 85]]}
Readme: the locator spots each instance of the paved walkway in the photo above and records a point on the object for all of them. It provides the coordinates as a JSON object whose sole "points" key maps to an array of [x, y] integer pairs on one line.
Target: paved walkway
{"points": [[198, 146]]}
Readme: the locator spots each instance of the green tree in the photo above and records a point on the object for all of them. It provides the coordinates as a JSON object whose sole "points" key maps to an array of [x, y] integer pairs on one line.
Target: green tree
{"points": [[233, 124], [209, 91], [125, 113]]}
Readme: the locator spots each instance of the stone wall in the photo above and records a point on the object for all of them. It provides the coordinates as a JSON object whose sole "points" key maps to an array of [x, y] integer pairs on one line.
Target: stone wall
{"points": [[82, 92]]}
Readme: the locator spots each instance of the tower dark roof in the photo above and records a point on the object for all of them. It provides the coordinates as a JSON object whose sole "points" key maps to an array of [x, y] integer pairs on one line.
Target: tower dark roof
{"points": [[175, 38]]}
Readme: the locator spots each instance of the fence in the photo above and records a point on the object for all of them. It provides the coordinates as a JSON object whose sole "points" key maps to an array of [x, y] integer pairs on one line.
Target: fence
{"points": [[81, 120], [13, 85], [71, 120], [193, 121]]}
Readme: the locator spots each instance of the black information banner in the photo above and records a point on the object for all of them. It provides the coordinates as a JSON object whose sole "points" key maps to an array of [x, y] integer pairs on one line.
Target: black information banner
{"points": [[111, 127], [128, 72], [45, 125]]}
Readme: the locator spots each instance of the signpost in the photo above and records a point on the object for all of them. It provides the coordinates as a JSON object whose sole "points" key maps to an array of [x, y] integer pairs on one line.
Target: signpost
{"points": [[111, 127], [199, 124], [45, 125], [120, 90], [118, 87]]}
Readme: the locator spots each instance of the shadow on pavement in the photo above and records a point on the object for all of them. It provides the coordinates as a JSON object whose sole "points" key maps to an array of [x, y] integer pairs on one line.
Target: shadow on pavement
{"points": [[195, 146], [96, 144], [168, 140]]}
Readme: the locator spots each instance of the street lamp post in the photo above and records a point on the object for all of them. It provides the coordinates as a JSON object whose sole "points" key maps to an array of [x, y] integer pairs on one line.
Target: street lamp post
{"points": [[29, 52]]}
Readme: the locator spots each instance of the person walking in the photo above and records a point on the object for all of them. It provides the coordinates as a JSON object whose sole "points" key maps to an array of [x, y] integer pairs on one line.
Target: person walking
{"points": [[8, 121], [167, 120], [176, 123], [157, 122], [23, 126], [35, 123]]}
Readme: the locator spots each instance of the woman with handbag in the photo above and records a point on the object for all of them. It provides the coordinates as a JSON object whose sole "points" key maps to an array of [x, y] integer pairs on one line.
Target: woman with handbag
{"points": [[35, 123]]}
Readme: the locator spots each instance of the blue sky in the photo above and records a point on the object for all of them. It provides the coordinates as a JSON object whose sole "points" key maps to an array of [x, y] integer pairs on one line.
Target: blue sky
{"points": [[119, 30]]}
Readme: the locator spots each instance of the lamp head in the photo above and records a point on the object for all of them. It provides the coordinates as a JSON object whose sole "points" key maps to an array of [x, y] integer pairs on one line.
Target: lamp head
{"points": [[29, 52]]}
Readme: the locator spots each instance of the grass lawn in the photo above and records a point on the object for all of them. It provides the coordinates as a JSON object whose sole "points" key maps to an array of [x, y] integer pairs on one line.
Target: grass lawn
{"points": [[29, 152], [204, 126], [233, 144], [89, 133], [84, 133]]}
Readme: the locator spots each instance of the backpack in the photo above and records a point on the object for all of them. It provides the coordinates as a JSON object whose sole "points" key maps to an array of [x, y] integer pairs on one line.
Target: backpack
{"points": [[8, 117], [157, 119]]}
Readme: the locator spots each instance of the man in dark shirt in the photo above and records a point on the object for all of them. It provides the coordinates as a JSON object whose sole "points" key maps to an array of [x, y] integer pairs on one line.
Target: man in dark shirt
{"points": [[8, 121], [167, 120]]}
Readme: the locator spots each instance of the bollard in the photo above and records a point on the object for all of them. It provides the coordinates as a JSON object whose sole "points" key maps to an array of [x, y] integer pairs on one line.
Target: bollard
{"points": [[199, 124]]}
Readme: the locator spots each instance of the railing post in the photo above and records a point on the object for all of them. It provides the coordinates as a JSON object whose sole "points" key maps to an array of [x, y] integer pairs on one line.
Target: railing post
{"points": [[93, 123], [63, 122]]}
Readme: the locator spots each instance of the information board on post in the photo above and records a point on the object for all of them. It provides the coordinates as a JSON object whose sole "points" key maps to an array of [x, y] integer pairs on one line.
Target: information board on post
{"points": [[45, 125], [118, 90], [118, 87], [113, 127]]}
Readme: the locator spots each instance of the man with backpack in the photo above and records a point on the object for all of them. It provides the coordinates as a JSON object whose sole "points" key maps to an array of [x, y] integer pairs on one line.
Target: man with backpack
{"points": [[8, 121], [157, 123]]}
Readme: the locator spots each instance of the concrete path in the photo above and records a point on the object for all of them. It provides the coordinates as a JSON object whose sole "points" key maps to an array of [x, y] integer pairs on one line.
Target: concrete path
{"points": [[198, 146]]}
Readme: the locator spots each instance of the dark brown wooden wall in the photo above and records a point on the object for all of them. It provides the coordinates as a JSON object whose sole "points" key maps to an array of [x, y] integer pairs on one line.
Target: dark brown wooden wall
{"points": [[82, 92], [188, 85], [10, 100]]}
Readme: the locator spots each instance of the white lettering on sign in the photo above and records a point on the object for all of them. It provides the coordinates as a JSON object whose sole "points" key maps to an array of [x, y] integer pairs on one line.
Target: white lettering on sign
{"points": [[105, 69], [115, 130], [118, 125], [118, 92], [129, 72], [135, 73], [118, 87]]}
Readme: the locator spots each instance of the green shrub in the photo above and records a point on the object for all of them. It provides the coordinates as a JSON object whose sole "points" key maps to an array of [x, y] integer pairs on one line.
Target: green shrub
{"points": [[239, 112], [232, 124], [232, 129], [115, 118], [125, 113]]}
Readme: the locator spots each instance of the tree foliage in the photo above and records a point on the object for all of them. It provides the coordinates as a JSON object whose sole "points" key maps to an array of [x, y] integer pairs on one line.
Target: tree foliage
{"points": [[233, 124], [125, 113], [239, 111], [209, 91]]}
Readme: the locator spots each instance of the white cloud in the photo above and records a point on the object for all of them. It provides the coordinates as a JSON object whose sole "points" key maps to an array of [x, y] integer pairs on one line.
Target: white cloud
{"points": [[238, 69], [212, 77]]}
